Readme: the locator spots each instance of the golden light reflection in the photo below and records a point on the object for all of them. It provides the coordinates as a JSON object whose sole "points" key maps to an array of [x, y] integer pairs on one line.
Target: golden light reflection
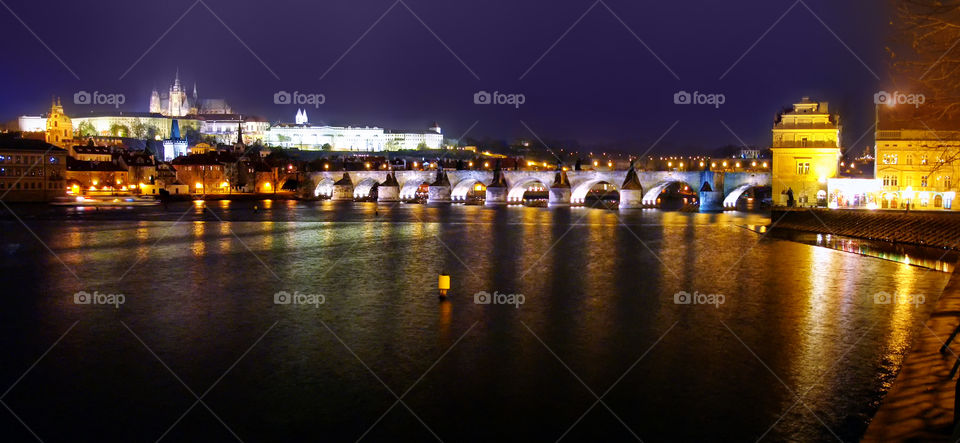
{"points": [[199, 245]]}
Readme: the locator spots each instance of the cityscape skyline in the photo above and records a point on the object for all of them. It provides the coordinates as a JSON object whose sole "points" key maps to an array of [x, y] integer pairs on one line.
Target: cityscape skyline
{"points": [[617, 96]]}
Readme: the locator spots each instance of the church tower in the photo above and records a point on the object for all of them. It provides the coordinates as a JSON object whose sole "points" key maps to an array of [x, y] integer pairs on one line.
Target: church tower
{"points": [[155, 106], [59, 127], [178, 98]]}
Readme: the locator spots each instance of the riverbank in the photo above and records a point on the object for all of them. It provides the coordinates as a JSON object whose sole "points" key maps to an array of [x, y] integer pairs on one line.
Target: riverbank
{"points": [[920, 404], [937, 229]]}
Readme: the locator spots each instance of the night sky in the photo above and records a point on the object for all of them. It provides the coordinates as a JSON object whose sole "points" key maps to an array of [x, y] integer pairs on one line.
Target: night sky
{"points": [[598, 84]]}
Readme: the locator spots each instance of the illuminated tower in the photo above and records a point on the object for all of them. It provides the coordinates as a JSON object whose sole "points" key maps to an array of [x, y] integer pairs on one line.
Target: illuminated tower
{"points": [[178, 99], [806, 149], [155, 106], [59, 127]]}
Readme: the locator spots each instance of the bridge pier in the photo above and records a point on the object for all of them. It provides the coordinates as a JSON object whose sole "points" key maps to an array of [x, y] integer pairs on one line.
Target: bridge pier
{"points": [[496, 193], [343, 189], [439, 190], [560, 191], [711, 201], [631, 191], [389, 191]]}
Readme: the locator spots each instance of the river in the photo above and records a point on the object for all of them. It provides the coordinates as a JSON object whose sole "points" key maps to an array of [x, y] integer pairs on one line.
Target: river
{"points": [[798, 343]]}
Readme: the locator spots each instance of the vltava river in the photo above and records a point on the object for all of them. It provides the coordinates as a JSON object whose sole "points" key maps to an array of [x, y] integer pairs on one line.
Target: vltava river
{"points": [[799, 349]]}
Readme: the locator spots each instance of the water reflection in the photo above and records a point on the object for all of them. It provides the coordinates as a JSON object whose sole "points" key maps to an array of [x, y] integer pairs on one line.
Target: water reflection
{"points": [[599, 293]]}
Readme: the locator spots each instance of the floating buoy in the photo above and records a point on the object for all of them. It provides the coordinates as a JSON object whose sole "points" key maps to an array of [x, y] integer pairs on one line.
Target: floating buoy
{"points": [[443, 284]]}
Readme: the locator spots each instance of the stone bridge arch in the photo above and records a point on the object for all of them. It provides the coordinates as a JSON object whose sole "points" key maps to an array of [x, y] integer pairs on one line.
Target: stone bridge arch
{"points": [[651, 196], [518, 185], [362, 188], [324, 187]]}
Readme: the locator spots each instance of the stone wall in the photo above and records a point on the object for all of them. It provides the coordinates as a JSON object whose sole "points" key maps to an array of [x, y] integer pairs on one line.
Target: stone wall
{"points": [[922, 228]]}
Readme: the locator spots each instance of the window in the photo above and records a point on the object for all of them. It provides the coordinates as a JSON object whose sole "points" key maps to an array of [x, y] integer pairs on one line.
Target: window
{"points": [[909, 160], [923, 159], [947, 183], [923, 181], [803, 168], [889, 159], [908, 181]]}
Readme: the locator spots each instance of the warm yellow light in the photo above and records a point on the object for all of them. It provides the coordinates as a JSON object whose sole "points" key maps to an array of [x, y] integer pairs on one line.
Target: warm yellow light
{"points": [[753, 164], [681, 164], [470, 164], [486, 164], [95, 183], [669, 164], [713, 165], [326, 166], [93, 188], [478, 187], [724, 164], [198, 185], [414, 164], [224, 184], [118, 181], [701, 164], [764, 164], [544, 164], [738, 164], [443, 283], [609, 164], [367, 165], [266, 185]]}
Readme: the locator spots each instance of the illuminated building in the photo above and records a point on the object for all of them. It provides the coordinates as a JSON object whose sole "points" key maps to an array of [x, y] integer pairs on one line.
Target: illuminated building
{"points": [[59, 127], [175, 146], [303, 135], [909, 167], [806, 149], [176, 102], [31, 170]]}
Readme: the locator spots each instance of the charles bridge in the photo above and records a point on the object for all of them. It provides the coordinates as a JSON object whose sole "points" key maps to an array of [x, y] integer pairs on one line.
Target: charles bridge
{"points": [[637, 189]]}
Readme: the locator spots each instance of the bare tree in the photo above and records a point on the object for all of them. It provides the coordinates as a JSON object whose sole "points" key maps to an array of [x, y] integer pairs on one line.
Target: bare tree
{"points": [[926, 59]]}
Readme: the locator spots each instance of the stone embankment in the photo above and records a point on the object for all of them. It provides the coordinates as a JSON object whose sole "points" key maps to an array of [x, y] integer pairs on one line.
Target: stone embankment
{"points": [[939, 229]]}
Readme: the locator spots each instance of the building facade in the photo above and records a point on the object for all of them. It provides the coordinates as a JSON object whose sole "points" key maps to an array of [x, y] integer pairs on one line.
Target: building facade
{"points": [[306, 136], [31, 170], [806, 152], [912, 167]]}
